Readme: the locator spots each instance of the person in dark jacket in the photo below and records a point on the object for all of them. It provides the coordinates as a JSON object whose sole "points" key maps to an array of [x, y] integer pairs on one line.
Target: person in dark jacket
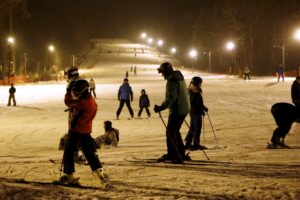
{"points": [[285, 115], [84, 111], [144, 103], [12, 91], [295, 92], [176, 100], [197, 110], [125, 95]]}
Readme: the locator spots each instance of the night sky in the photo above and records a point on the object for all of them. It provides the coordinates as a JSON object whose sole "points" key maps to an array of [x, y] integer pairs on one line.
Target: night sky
{"points": [[69, 24]]}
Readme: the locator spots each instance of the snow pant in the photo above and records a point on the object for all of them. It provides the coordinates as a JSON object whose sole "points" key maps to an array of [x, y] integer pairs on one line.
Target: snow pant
{"points": [[92, 91], [11, 97], [141, 110], [88, 149], [194, 131], [127, 102], [246, 75], [280, 75], [284, 115], [175, 145]]}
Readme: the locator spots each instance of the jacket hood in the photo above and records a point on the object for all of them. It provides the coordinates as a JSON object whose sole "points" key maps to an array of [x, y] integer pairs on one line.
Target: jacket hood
{"points": [[176, 75]]}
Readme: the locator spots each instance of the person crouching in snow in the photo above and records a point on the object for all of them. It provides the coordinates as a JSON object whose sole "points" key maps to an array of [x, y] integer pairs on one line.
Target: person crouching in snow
{"points": [[196, 112], [285, 115], [84, 111], [110, 137], [144, 103]]}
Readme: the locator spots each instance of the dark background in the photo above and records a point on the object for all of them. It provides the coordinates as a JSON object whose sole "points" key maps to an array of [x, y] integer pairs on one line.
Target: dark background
{"points": [[256, 26]]}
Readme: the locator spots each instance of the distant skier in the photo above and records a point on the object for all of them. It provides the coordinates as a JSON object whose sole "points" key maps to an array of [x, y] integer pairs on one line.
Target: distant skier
{"points": [[246, 73], [144, 102], [126, 74], [12, 91], [110, 137], [84, 111], [280, 72], [135, 70], [197, 111], [125, 95], [176, 99], [92, 87]]}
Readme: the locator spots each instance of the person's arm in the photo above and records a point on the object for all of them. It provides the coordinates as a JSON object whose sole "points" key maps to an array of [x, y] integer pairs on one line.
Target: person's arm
{"points": [[171, 94]]}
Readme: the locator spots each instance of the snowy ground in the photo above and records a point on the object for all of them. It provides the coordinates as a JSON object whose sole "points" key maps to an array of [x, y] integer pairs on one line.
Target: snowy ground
{"points": [[239, 111]]}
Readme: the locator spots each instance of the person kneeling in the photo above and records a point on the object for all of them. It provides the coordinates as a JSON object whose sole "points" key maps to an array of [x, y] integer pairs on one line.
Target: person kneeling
{"points": [[110, 137]]}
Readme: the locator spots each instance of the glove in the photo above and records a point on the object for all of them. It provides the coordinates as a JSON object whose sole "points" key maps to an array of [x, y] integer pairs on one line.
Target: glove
{"points": [[157, 108], [205, 109]]}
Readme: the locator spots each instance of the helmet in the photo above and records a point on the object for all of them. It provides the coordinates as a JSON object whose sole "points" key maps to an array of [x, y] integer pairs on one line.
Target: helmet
{"points": [[72, 72], [196, 80], [80, 87], [165, 68]]}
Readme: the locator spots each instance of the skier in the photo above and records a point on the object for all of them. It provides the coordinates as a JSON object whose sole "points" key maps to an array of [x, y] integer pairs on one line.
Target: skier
{"points": [[12, 91], [280, 72], [72, 76], [144, 103], [176, 100], [246, 73], [110, 137], [84, 111], [92, 87], [125, 95], [197, 110]]}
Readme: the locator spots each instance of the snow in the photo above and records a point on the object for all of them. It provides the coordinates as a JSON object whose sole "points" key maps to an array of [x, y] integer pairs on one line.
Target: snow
{"points": [[240, 114]]}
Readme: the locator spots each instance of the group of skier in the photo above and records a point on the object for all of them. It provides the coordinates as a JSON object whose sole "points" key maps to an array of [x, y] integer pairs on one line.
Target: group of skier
{"points": [[179, 99], [125, 96]]}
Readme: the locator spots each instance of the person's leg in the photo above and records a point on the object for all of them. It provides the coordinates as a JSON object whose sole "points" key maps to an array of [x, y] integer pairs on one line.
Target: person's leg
{"points": [[68, 157], [9, 100], [197, 130], [14, 100], [140, 111], [189, 136], [120, 107], [179, 141], [148, 112], [129, 107], [89, 151]]}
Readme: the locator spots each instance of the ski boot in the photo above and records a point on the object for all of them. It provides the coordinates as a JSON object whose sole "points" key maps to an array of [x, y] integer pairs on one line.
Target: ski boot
{"points": [[101, 176], [68, 179]]}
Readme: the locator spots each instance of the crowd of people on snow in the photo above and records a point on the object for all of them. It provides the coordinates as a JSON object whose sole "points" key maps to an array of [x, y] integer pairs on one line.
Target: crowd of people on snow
{"points": [[180, 99]]}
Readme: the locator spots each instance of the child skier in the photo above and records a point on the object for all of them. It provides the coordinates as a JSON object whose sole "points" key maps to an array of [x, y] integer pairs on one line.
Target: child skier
{"points": [[144, 103], [84, 111], [110, 137], [196, 112]]}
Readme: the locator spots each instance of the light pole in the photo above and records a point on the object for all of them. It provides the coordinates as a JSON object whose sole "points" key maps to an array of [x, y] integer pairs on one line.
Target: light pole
{"points": [[160, 43], [51, 49], [230, 46], [10, 42], [193, 54]]}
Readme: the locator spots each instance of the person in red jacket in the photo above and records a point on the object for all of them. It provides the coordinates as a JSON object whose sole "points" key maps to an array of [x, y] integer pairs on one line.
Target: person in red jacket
{"points": [[84, 111]]}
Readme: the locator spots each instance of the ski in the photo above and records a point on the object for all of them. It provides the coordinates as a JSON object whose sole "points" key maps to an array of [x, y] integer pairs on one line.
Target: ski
{"points": [[53, 183], [155, 161], [272, 146], [58, 161], [208, 148]]}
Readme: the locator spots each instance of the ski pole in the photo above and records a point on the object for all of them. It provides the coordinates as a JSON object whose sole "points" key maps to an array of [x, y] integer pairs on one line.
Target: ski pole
{"points": [[212, 129], [203, 129], [186, 123], [171, 139]]}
